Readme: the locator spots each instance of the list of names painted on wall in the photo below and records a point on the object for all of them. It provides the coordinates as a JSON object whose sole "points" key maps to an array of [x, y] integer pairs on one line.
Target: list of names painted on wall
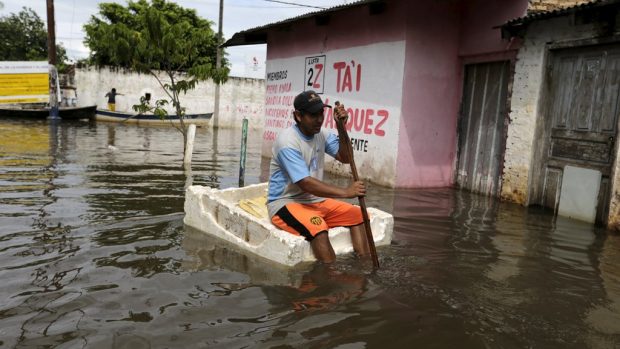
{"points": [[366, 79]]}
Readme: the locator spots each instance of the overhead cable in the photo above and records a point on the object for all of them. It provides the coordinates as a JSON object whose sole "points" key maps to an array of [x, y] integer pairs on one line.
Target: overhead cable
{"points": [[292, 3]]}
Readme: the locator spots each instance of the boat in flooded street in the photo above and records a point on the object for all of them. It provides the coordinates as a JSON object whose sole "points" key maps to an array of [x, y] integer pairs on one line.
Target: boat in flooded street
{"points": [[201, 119], [65, 112], [239, 216]]}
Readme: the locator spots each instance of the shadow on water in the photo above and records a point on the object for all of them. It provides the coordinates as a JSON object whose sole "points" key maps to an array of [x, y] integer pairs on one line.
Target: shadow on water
{"points": [[93, 253]]}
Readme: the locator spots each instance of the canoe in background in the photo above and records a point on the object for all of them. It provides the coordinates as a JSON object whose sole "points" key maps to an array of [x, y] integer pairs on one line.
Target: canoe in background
{"points": [[149, 119], [220, 213], [68, 113]]}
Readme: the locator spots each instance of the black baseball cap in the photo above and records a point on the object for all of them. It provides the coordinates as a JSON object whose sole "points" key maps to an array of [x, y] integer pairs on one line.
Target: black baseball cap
{"points": [[309, 102]]}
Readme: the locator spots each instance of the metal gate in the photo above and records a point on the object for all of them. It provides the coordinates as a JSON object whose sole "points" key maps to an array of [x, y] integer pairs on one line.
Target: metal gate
{"points": [[579, 121], [482, 127]]}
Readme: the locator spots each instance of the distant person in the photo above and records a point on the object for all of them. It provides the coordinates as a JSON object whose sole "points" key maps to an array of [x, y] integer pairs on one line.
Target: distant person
{"points": [[299, 202], [112, 99]]}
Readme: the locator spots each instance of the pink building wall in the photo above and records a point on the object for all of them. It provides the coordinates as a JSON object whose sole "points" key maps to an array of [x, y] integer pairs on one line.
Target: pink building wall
{"points": [[440, 37], [478, 19], [427, 142], [349, 28]]}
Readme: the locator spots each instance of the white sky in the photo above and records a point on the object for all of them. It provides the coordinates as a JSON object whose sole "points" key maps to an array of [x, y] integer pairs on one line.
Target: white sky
{"points": [[70, 16]]}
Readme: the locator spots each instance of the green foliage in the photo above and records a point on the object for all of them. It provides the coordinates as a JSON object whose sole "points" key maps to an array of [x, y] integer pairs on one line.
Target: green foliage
{"points": [[157, 35], [154, 37], [145, 107], [23, 37]]}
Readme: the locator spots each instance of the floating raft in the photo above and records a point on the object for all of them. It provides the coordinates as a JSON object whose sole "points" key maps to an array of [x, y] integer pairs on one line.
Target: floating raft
{"points": [[239, 216]]}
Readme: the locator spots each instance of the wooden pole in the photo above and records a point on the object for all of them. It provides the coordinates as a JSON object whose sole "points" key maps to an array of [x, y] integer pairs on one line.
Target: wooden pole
{"points": [[51, 33], [218, 65], [244, 145], [371, 242], [51, 58]]}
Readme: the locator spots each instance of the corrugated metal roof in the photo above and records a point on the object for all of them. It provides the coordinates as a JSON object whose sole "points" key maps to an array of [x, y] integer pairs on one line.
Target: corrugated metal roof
{"points": [[258, 35], [516, 23]]}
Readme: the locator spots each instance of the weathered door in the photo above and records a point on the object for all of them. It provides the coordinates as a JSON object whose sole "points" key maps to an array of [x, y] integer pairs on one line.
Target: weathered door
{"points": [[579, 124], [482, 127]]}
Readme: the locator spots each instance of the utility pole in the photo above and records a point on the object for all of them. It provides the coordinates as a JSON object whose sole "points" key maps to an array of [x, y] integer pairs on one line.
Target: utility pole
{"points": [[51, 58], [51, 33], [218, 65]]}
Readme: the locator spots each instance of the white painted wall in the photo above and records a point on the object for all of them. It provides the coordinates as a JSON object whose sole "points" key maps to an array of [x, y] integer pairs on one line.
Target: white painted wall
{"points": [[366, 79], [240, 97], [525, 109]]}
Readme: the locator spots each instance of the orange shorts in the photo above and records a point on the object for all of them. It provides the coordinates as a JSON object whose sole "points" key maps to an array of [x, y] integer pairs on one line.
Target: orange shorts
{"points": [[308, 220]]}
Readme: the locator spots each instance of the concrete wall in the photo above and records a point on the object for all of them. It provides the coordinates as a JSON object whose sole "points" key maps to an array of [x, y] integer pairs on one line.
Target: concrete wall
{"points": [[240, 97], [526, 110]]}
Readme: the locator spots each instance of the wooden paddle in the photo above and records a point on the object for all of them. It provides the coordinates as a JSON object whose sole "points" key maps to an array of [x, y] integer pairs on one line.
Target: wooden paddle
{"points": [[342, 130]]}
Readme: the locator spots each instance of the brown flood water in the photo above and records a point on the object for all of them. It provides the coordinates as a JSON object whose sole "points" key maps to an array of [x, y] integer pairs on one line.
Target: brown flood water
{"points": [[94, 254]]}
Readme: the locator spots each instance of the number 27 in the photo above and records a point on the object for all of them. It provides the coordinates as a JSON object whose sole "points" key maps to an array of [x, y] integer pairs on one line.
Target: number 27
{"points": [[315, 83]]}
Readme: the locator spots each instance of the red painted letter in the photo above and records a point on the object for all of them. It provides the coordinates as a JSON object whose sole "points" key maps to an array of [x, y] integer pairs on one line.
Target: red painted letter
{"points": [[339, 66], [384, 114]]}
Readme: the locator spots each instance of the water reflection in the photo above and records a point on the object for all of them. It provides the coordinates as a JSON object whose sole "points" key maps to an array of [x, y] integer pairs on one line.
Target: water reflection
{"points": [[93, 253], [604, 316]]}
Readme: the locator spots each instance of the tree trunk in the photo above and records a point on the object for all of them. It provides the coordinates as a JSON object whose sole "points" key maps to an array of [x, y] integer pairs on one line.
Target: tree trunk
{"points": [[184, 143]]}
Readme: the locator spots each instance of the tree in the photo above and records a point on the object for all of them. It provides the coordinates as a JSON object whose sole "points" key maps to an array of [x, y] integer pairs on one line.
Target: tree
{"points": [[153, 37], [23, 38]]}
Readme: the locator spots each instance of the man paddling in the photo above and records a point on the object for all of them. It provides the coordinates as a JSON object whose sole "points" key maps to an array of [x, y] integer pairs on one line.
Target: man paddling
{"points": [[299, 201]]}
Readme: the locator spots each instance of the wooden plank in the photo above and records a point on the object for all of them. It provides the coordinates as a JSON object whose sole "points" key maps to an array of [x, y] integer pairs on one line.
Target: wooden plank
{"points": [[481, 133], [581, 150], [588, 83], [551, 187], [495, 155], [465, 125], [603, 201], [586, 136], [477, 131], [609, 100], [563, 103]]}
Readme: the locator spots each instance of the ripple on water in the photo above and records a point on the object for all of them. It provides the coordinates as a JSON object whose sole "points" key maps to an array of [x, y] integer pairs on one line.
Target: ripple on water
{"points": [[94, 254]]}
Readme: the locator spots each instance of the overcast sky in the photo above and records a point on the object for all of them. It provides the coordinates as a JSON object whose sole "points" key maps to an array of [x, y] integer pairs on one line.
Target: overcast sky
{"points": [[239, 15]]}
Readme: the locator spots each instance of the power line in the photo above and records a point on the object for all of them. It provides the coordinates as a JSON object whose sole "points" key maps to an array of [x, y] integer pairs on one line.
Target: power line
{"points": [[211, 2], [292, 3]]}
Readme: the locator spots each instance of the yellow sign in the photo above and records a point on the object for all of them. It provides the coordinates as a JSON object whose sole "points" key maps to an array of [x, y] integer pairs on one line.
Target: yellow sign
{"points": [[24, 82]]}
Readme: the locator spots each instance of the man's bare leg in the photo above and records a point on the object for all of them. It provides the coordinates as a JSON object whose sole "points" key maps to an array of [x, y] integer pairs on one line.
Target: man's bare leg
{"points": [[322, 248], [360, 242]]}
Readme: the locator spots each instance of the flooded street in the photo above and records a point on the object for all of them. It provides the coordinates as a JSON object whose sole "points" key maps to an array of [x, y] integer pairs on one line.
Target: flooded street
{"points": [[94, 254]]}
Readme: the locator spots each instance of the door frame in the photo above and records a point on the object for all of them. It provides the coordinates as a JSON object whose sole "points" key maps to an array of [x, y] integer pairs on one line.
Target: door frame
{"points": [[511, 59], [542, 128]]}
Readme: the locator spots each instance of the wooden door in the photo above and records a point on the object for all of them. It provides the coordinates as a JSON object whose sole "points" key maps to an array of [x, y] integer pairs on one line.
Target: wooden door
{"points": [[579, 121], [482, 127]]}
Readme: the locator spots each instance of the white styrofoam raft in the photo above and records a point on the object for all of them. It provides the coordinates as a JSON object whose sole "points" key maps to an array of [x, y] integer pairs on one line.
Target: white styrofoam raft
{"points": [[217, 213]]}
